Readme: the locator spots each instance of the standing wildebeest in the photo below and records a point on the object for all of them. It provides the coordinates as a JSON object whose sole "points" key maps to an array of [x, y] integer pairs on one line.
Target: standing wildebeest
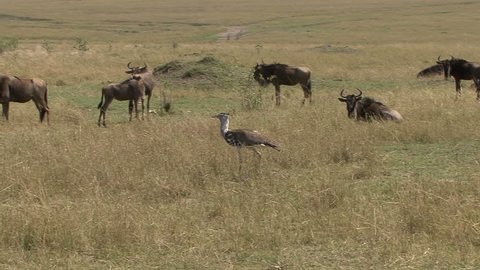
{"points": [[433, 71], [132, 89], [14, 89], [365, 108], [279, 74], [461, 69], [148, 80]]}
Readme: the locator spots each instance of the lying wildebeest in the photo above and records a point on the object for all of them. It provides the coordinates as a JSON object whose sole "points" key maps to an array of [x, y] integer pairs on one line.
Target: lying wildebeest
{"points": [[461, 69], [14, 89], [279, 74], [148, 80], [434, 70], [132, 89], [365, 108]]}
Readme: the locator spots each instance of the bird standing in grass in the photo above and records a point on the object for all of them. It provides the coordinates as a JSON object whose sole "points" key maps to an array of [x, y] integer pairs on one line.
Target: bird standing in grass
{"points": [[241, 138]]}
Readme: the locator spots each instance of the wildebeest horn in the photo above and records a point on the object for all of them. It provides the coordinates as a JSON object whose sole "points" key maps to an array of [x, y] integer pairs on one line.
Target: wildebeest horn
{"points": [[452, 57], [128, 65], [341, 93], [359, 95], [438, 59], [144, 65]]}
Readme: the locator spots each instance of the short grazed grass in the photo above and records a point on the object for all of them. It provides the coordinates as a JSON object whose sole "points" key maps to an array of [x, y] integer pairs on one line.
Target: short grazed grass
{"points": [[165, 192]]}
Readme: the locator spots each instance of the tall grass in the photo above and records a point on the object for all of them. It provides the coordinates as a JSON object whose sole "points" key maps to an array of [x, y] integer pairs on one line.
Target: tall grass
{"points": [[165, 193]]}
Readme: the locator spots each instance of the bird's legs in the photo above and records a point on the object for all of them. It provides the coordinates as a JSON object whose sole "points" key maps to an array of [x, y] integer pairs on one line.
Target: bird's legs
{"points": [[259, 155], [239, 162]]}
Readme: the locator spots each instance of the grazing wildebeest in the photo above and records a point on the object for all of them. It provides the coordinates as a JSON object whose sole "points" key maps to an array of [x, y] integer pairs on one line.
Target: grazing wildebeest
{"points": [[365, 108], [132, 89], [279, 74], [434, 70], [461, 69], [14, 89], [148, 80]]}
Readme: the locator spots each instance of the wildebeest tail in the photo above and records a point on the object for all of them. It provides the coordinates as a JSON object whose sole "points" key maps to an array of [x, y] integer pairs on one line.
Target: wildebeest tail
{"points": [[4, 92], [41, 86], [46, 97], [101, 101]]}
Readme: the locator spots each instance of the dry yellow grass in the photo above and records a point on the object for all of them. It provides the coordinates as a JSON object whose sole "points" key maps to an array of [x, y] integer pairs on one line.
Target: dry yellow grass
{"points": [[165, 194]]}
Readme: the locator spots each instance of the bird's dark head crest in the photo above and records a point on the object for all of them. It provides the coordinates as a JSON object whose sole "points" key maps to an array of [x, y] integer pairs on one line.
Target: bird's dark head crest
{"points": [[223, 114]]}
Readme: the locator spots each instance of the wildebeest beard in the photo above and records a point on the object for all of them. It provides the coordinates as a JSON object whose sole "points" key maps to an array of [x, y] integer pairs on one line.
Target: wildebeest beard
{"points": [[261, 79]]}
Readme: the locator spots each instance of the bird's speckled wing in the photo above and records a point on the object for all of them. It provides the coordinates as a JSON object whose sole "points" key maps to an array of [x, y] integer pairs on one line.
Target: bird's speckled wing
{"points": [[248, 137]]}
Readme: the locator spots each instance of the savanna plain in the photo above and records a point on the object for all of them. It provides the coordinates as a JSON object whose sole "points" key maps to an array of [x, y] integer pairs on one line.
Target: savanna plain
{"points": [[165, 192]]}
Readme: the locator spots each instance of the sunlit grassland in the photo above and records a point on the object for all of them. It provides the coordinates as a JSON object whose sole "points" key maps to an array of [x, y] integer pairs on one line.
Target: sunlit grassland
{"points": [[165, 193]]}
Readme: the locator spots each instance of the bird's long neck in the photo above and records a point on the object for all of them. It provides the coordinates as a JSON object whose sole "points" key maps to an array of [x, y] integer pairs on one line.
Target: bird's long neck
{"points": [[224, 126]]}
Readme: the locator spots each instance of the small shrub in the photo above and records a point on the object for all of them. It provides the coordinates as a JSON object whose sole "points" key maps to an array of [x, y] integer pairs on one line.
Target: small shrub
{"points": [[47, 46], [8, 44], [81, 44], [251, 98], [170, 66], [60, 83], [208, 60], [193, 72]]}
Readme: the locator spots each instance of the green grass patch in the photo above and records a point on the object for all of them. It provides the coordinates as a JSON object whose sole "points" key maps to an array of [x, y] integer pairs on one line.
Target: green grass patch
{"points": [[440, 161]]}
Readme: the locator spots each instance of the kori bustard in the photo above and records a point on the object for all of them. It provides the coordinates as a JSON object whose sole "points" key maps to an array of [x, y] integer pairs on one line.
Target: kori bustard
{"points": [[243, 138]]}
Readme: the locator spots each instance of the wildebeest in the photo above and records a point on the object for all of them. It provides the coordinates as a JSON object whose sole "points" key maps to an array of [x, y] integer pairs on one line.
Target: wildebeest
{"points": [[434, 70], [132, 89], [14, 89], [365, 108], [148, 80], [281, 74], [461, 69]]}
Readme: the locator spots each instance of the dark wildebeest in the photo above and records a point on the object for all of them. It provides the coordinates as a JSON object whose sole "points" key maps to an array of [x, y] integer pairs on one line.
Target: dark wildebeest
{"points": [[132, 89], [14, 89], [434, 70], [279, 74], [461, 69], [148, 80], [365, 108]]}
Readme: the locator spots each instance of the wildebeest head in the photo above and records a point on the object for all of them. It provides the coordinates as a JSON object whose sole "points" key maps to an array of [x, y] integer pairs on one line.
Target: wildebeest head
{"points": [[260, 76], [136, 70], [366, 109], [351, 101], [446, 64]]}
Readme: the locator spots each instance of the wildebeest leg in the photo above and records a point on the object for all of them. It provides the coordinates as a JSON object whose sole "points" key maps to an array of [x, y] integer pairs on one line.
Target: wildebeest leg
{"points": [[458, 88], [277, 94], [135, 105], [103, 110], [42, 108], [307, 94], [5, 106], [477, 86], [142, 100], [130, 107], [100, 118], [309, 85], [148, 103]]}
